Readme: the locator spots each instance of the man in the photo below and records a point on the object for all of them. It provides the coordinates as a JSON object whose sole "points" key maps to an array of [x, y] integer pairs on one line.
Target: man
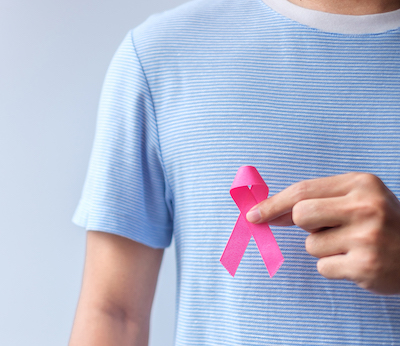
{"points": [[307, 92]]}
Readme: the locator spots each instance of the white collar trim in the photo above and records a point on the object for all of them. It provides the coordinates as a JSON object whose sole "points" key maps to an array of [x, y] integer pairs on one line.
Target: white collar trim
{"points": [[337, 23]]}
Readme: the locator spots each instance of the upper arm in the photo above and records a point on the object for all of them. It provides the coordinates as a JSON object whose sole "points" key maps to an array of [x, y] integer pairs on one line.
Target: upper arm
{"points": [[118, 287], [126, 192], [121, 273]]}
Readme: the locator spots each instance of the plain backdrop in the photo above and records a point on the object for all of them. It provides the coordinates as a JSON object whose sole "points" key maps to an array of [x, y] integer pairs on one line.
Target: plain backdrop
{"points": [[54, 55]]}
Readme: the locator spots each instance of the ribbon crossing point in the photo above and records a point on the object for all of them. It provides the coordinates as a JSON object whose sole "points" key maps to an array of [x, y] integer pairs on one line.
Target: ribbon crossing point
{"points": [[245, 198]]}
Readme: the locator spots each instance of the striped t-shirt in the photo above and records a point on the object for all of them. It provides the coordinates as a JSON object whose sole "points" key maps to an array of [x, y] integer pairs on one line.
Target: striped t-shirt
{"points": [[193, 94]]}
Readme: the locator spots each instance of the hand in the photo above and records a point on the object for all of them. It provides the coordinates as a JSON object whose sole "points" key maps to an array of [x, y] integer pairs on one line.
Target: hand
{"points": [[354, 225]]}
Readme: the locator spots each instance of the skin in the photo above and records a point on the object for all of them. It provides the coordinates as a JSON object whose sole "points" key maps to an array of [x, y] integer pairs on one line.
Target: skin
{"points": [[354, 225], [118, 287], [350, 7]]}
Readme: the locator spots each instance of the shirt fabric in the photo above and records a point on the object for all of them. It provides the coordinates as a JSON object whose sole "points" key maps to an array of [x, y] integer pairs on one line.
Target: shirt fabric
{"points": [[196, 92]]}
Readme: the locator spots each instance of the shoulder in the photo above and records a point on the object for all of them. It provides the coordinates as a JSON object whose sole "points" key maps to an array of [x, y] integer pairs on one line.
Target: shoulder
{"points": [[188, 15], [192, 21]]}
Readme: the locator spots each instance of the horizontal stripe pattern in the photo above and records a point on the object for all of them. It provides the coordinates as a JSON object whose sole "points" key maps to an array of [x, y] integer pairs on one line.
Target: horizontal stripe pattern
{"points": [[195, 93]]}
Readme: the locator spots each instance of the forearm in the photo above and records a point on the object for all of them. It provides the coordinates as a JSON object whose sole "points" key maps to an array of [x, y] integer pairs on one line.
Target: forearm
{"points": [[96, 326]]}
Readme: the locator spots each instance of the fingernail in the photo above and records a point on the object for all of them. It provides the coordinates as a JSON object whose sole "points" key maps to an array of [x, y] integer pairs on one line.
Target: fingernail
{"points": [[253, 215]]}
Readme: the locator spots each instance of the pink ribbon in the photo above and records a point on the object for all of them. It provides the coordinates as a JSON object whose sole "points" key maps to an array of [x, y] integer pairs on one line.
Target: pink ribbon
{"points": [[245, 198]]}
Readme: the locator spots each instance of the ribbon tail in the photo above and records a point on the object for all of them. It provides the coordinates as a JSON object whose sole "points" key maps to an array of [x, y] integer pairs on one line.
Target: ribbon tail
{"points": [[268, 247], [236, 245]]}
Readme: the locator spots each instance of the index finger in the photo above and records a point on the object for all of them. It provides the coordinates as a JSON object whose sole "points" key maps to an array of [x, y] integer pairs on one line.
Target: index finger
{"points": [[283, 202]]}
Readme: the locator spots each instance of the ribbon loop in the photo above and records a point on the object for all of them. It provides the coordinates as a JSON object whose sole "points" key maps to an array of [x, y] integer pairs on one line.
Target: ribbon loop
{"points": [[245, 198]]}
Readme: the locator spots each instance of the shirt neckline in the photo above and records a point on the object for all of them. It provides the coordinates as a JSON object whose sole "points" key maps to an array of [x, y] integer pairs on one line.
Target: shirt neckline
{"points": [[337, 23]]}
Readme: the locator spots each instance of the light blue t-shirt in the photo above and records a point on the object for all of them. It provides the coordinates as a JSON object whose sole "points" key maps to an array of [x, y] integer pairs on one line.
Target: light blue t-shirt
{"points": [[193, 94]]}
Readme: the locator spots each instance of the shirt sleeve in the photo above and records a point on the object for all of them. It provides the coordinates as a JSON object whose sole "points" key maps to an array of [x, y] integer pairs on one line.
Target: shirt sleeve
{"points": [[125, 191]]}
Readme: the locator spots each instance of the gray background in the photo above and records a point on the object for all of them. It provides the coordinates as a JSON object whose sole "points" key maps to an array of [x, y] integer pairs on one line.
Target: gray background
{"points": [[54, 55]]}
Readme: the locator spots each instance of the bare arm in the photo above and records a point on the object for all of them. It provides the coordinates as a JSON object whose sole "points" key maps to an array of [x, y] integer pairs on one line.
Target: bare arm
{"points": [[117, 292]]}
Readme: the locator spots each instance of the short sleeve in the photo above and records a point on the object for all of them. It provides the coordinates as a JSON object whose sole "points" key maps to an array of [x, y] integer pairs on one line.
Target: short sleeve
{"points": [[125, 191]]}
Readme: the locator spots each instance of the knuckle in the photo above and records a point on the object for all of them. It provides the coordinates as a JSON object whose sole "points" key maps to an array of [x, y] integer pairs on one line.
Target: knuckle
{"points": [[371, 208], [323, 268], [298, 213], [368, 265], [367, 238], [365, 269], [372, 236], [378, 206], [366, 180], [300, 190], [310, 244]]}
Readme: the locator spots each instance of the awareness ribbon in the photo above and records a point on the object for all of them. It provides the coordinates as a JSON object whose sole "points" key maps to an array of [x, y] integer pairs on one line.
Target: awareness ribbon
{"points": [[245, 198]]}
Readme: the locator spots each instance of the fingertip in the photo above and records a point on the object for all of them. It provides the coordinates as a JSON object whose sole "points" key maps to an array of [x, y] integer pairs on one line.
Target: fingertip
{"points": [[254, 215]]}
